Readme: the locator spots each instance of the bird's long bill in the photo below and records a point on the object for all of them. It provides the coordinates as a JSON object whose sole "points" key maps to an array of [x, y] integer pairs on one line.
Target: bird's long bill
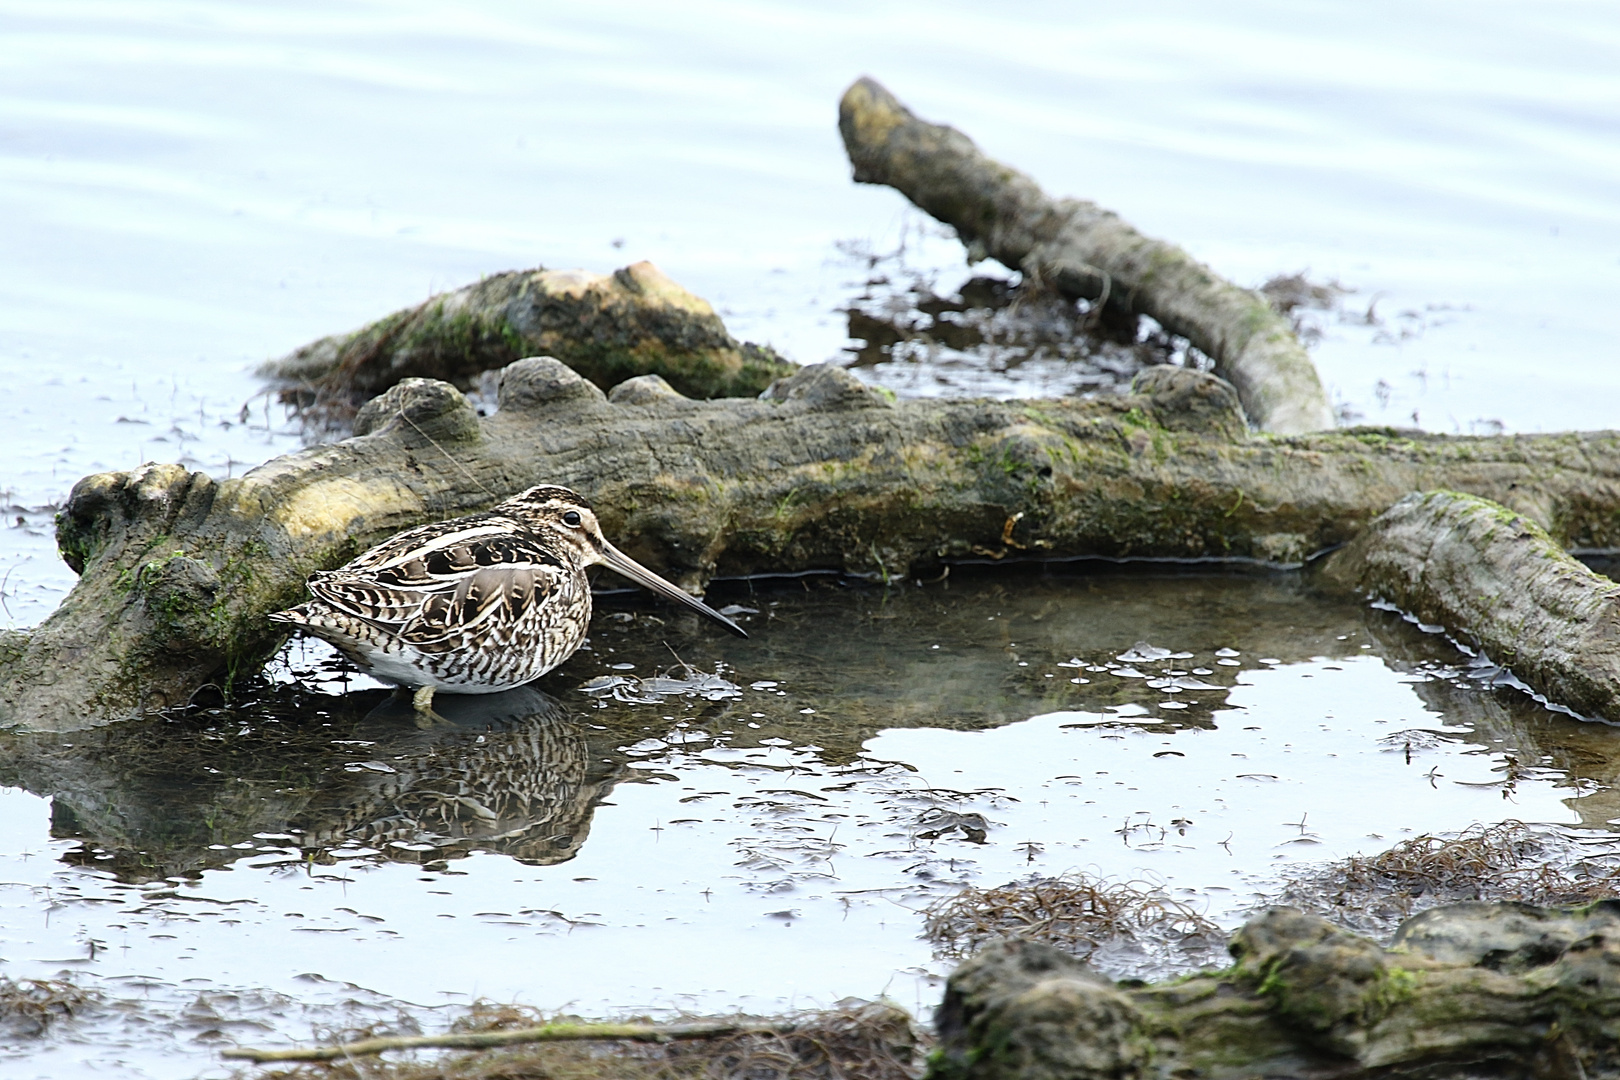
{"points": [[619, 562]]}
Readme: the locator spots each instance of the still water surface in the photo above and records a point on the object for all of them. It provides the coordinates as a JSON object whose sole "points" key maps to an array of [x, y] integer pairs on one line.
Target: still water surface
{"points": [[766, 846], [189, 188]]}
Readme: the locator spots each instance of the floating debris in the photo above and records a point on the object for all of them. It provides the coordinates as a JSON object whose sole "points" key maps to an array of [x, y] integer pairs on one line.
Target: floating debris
{"points": [[655, 689]]}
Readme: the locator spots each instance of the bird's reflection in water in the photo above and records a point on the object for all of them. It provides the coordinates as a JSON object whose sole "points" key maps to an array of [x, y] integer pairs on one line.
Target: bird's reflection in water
{"points": [[183, 793], [506, 773]]}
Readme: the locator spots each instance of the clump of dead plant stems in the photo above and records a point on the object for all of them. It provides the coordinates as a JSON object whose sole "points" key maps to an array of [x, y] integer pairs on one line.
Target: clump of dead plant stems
{"points": [[29, 1006], [1507, 861], [1075, 912]]}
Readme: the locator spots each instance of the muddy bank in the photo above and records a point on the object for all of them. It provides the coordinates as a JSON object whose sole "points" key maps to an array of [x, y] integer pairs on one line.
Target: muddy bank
{"points": [[178, 570]]}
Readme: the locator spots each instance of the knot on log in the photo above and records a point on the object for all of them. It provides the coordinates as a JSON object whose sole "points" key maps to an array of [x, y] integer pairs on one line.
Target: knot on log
{"points": [[1183, 399], [109, 509], [180, 595], [1021, 1010], [539, 382], [644, 390], [827, 387], [419, 411]]}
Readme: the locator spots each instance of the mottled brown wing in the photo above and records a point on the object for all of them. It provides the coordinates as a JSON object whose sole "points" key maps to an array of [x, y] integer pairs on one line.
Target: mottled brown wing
{"points": [[362, 598], [435, 536], [489, 594], [440, 585]]}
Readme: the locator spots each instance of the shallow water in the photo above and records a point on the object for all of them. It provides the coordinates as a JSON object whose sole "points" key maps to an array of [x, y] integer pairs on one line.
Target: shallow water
{"points": [[865, 752]]}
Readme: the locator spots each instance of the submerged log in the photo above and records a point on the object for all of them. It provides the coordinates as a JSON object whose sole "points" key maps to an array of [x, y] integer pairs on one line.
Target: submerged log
{"points": [[1497, 582], [1087, 252], [607, 327], [1466, 990], [178, 571]]}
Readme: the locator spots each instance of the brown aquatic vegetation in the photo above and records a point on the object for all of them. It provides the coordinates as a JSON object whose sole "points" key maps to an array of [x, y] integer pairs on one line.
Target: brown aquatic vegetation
{"points": [[1075, 912], [1507, 861], [869, 1040], [29, 1006], [1510, 861]]}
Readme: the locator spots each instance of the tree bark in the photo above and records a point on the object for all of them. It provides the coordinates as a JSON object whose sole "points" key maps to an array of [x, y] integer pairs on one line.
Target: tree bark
{"points": [[1467, 990], [1085, 251], [178, 571], [1499, 583]]}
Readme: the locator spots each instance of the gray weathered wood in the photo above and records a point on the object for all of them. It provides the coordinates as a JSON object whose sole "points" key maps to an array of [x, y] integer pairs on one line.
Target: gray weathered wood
{"points": [[1498, 582], [1085, 251]]}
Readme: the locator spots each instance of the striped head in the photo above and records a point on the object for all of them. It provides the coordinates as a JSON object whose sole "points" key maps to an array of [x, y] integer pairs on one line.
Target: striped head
{"points": [[567, 520], [563, 517]]}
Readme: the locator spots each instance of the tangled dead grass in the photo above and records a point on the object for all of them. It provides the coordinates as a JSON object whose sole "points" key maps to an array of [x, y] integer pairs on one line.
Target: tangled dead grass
{"points": [[855, 1040], [1075, 912], [29, 1006], [1506, 861]]}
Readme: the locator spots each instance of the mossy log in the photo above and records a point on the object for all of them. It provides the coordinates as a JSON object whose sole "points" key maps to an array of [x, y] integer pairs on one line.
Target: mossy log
{"points": [[178, 571], [1499, 583], [607, 327], [1466, 990], [1085, 251]]}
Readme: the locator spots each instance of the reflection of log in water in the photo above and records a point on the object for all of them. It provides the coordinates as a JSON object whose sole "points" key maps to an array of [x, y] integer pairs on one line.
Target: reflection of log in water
{"points": [[1534, 741], [507, 773]]}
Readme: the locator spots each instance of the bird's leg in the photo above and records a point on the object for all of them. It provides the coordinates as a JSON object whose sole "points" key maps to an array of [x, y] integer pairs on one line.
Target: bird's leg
{"points": [[422, 702]]}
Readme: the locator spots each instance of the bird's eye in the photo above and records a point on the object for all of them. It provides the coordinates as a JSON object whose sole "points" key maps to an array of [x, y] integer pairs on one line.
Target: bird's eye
{"points": [[571, 518]]}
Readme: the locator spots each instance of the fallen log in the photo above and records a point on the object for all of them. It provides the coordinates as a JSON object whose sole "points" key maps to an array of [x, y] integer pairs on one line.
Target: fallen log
{"points": [[823, 473], [1466, 990], [1500, 584], [484, 1040], [1087, 252], [607, 327]]}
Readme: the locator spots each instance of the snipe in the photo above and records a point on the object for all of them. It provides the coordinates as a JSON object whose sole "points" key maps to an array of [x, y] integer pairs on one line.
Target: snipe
{"points": [[478, 604]]}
